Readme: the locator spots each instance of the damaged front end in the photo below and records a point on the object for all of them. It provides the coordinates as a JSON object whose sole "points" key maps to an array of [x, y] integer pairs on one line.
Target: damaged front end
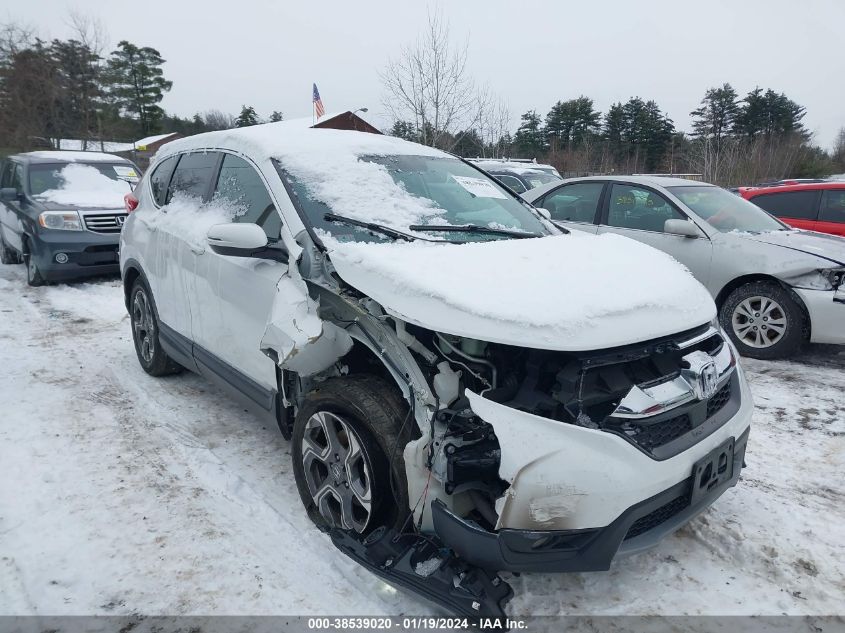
{"points": [[523, 459]]}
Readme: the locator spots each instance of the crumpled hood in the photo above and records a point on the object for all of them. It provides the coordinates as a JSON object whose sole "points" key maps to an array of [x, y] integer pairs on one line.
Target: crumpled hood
{"points": [[566, 292], [829, 247]]}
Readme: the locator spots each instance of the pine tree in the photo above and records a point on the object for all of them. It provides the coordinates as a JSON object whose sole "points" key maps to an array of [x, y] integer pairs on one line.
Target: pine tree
{"points": [[404, 130], [716, 117], [276, 116], [79, 80], [138, 83], [769, 113], [568, 122], [529, 139], [247, 117]]}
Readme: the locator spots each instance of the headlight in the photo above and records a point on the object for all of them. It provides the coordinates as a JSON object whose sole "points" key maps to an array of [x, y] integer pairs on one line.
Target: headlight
{"points": [[62, 220], [824, 279]]}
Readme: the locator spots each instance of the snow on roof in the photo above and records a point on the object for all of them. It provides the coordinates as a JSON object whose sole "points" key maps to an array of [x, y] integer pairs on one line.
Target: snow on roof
{"points": [[149, 140], [75, 157], [79, 145], [296, 138]]}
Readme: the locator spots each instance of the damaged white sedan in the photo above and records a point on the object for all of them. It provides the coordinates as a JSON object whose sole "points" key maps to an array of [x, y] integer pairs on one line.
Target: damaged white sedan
{"points": [[467, 388]]}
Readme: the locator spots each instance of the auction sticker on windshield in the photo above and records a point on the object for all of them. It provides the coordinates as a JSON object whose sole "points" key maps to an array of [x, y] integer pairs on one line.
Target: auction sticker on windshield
{"points": [[479, 187], [124, 171]]}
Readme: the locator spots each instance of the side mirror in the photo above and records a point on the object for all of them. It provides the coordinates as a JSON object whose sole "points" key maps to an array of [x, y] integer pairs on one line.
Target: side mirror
{"points": [[544, 212], [8, 194], [684, 228], [244, 240]]}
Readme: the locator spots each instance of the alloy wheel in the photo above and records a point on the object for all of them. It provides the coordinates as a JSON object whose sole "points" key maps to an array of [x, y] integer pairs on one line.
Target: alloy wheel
{"points": [[759, 322], [337, 471], [143, 326]]}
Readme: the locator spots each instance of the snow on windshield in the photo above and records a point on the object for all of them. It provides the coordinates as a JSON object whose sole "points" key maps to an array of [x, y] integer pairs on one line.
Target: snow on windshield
{"points": [[362, 190], [84, 186], [550, 282]]}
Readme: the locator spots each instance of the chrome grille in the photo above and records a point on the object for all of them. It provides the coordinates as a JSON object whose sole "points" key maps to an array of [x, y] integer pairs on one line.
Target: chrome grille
{"points": [[104, 222]]}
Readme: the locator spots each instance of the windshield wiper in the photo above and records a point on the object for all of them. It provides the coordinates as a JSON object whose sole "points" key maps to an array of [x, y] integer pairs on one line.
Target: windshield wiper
{"points": [[370, 226], [470, 228]]}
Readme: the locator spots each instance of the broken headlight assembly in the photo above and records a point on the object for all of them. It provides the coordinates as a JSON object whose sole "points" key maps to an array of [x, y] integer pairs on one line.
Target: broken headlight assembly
{"points": [[822, 279]]}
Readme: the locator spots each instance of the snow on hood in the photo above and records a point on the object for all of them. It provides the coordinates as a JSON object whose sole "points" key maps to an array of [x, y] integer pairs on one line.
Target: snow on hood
{"points": [[565, 292], [829, 247], [85, 186]]}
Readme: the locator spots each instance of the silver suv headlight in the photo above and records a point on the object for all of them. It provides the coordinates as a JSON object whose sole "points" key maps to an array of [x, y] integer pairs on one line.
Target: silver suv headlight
{"points": [[61, 220]]}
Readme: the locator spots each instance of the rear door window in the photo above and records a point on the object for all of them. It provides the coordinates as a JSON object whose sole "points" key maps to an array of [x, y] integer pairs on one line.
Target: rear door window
{"points": [[833, 206], [240, 185], [193, 175], [160, 178], [800, 205], [578, 202]]}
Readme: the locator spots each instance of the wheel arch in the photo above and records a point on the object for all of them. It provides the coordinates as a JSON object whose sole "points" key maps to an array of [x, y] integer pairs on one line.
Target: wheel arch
{"points": [[738, 282], [131, 272]]}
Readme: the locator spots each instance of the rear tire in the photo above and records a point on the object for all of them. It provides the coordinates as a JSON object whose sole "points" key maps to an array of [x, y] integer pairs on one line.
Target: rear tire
{"points": [[7, 255], [346, 446], [144, 322], [764, 321]]}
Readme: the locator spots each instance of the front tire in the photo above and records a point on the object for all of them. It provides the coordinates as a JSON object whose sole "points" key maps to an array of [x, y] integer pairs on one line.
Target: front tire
{"points": [[152, 357], [347, 444], [33, 274], [764, 321]]}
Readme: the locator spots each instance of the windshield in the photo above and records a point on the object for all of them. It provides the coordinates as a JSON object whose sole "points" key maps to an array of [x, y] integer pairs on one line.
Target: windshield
{"points": [[82, 184], [537, 178], [725, 211], [402, 191]]}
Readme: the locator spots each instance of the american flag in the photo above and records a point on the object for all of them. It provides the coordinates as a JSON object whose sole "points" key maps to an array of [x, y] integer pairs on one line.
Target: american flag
{"points": [[318, 103]]}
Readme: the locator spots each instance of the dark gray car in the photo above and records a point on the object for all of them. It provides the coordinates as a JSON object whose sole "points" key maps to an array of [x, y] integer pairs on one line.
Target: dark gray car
{"points": [[61, 213], [776, 287]]}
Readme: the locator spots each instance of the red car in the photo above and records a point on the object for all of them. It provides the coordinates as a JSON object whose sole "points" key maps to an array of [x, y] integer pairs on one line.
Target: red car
{"points": [[818, 206]]}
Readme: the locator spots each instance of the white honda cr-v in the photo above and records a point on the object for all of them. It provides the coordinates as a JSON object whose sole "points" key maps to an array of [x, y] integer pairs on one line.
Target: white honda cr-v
{"points": [[465, 385]]}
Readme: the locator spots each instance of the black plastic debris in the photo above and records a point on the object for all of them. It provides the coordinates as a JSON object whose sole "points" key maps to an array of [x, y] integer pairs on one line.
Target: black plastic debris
{"points": [[421, 565]]}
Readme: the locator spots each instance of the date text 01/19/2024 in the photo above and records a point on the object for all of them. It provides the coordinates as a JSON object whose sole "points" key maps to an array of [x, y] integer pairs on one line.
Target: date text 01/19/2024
{"points": [[421, 623]]}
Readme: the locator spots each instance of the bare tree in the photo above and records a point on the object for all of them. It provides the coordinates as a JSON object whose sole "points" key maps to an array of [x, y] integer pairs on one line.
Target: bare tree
{"points": [[494, 121], [14, 37], [89, 31], [428, 85], [218, 120]]}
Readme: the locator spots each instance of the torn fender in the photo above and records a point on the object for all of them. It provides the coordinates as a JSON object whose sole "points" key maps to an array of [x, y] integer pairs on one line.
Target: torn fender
{"points": [[296, 337]]}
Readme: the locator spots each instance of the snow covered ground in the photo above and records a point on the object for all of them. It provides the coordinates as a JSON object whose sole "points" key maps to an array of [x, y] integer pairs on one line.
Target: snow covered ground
{"points": [[122, 493]]}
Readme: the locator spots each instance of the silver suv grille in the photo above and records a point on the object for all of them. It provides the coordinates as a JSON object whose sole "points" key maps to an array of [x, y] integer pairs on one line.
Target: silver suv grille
{"points": [[104, 222]]}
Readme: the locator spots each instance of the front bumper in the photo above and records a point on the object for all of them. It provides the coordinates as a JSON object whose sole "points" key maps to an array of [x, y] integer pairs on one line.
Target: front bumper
{"points": [[827, 314], [579, 496], [88, 253], [640, 527]]}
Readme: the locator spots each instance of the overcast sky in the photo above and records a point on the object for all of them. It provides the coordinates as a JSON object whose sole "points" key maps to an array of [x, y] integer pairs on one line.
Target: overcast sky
{"points": [[531, 53]]}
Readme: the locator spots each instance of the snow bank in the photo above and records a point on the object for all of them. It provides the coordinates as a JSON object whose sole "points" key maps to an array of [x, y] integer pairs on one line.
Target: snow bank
{"points": [[86, 186], [573, 290]]}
